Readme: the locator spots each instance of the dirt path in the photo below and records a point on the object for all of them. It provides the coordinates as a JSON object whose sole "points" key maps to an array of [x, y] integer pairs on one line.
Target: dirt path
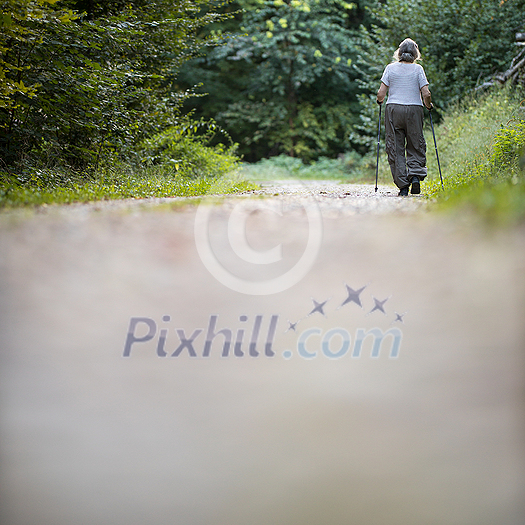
{"points": [[112, 413]]}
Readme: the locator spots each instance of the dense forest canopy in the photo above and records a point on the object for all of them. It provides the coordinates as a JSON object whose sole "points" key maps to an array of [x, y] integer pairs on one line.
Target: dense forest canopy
{"points": [[83, 81]]}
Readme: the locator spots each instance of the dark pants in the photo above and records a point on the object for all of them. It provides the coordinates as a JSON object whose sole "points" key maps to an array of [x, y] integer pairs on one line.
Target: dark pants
{"points": [[404, 132]]}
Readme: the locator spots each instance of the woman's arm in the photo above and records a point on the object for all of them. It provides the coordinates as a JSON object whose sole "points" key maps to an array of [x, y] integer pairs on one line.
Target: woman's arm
{"points": [[381, 94]]}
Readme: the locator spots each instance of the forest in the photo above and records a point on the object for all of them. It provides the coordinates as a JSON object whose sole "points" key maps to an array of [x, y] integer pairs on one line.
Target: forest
{"points": [[161, 97]]}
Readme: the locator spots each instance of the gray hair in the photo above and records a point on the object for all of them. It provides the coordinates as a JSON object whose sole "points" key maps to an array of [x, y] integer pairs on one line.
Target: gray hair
{"points": [[407, 51]]}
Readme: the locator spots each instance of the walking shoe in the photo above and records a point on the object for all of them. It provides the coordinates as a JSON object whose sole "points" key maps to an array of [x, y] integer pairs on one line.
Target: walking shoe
{"points": [[403, 192], [415, 186]]}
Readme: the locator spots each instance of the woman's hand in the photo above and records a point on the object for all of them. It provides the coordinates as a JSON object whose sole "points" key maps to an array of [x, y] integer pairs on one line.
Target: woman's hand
{"points": [[427, 100]]}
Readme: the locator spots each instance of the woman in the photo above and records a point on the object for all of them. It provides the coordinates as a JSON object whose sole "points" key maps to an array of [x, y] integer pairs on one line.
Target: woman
{"points": [[407, 88]]}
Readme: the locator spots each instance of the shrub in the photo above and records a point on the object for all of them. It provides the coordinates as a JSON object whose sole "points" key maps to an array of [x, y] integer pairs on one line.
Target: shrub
{"points": [[508, 145], [483, 154], [186, 148]]}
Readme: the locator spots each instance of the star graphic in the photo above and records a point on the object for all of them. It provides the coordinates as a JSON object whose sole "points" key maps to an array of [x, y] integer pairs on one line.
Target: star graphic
{"points": [[399, 317], [318, 307], [353, 296], [379, 305], [292, 326]]}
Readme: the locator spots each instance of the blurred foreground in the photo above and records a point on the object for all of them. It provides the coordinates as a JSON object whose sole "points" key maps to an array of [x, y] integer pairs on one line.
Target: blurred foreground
{"points": [[434, 436]]}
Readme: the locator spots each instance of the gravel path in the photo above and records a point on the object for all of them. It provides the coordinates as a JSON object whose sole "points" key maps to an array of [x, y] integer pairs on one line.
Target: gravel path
{"points": [[302, 420], [344, 199]]}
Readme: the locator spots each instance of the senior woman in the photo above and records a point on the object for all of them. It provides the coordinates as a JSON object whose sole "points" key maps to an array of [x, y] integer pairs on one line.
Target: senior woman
{"points": [[407, 88]]}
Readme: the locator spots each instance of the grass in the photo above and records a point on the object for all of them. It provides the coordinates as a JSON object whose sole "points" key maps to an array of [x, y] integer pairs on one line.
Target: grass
{"points": [[481, 147], [349, 167], [177, 163], [482, 151], [59, 188]]}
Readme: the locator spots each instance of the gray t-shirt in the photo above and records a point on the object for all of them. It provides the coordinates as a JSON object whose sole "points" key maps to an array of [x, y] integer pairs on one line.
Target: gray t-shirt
{"points": [[404, 81]]}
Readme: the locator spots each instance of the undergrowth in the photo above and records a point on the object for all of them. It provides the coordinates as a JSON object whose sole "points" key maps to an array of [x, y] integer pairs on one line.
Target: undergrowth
{"points": [[175, 163], [350, 167], [149, 182], [481, 147]]}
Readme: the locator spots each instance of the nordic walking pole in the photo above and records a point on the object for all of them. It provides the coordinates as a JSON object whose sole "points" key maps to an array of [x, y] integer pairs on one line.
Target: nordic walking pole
{"points": [[378, 138], [435, 145]]}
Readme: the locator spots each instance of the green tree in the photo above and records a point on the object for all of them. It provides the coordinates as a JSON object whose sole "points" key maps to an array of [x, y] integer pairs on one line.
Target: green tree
{"points": [[76, 86], [286, 84], [15, 18], [94, 9]]}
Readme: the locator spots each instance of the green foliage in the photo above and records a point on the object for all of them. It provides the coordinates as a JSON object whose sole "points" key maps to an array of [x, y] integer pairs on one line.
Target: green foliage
{"points": [[17, 17], [286, 84], [77, 89], [87, 83], [466, 133], [101, 8], [301, 77], [155, 181], [461, 41], [509, 144], [186, 148], [484, 158], [497, 201], [176, 162], [350, 167]]}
